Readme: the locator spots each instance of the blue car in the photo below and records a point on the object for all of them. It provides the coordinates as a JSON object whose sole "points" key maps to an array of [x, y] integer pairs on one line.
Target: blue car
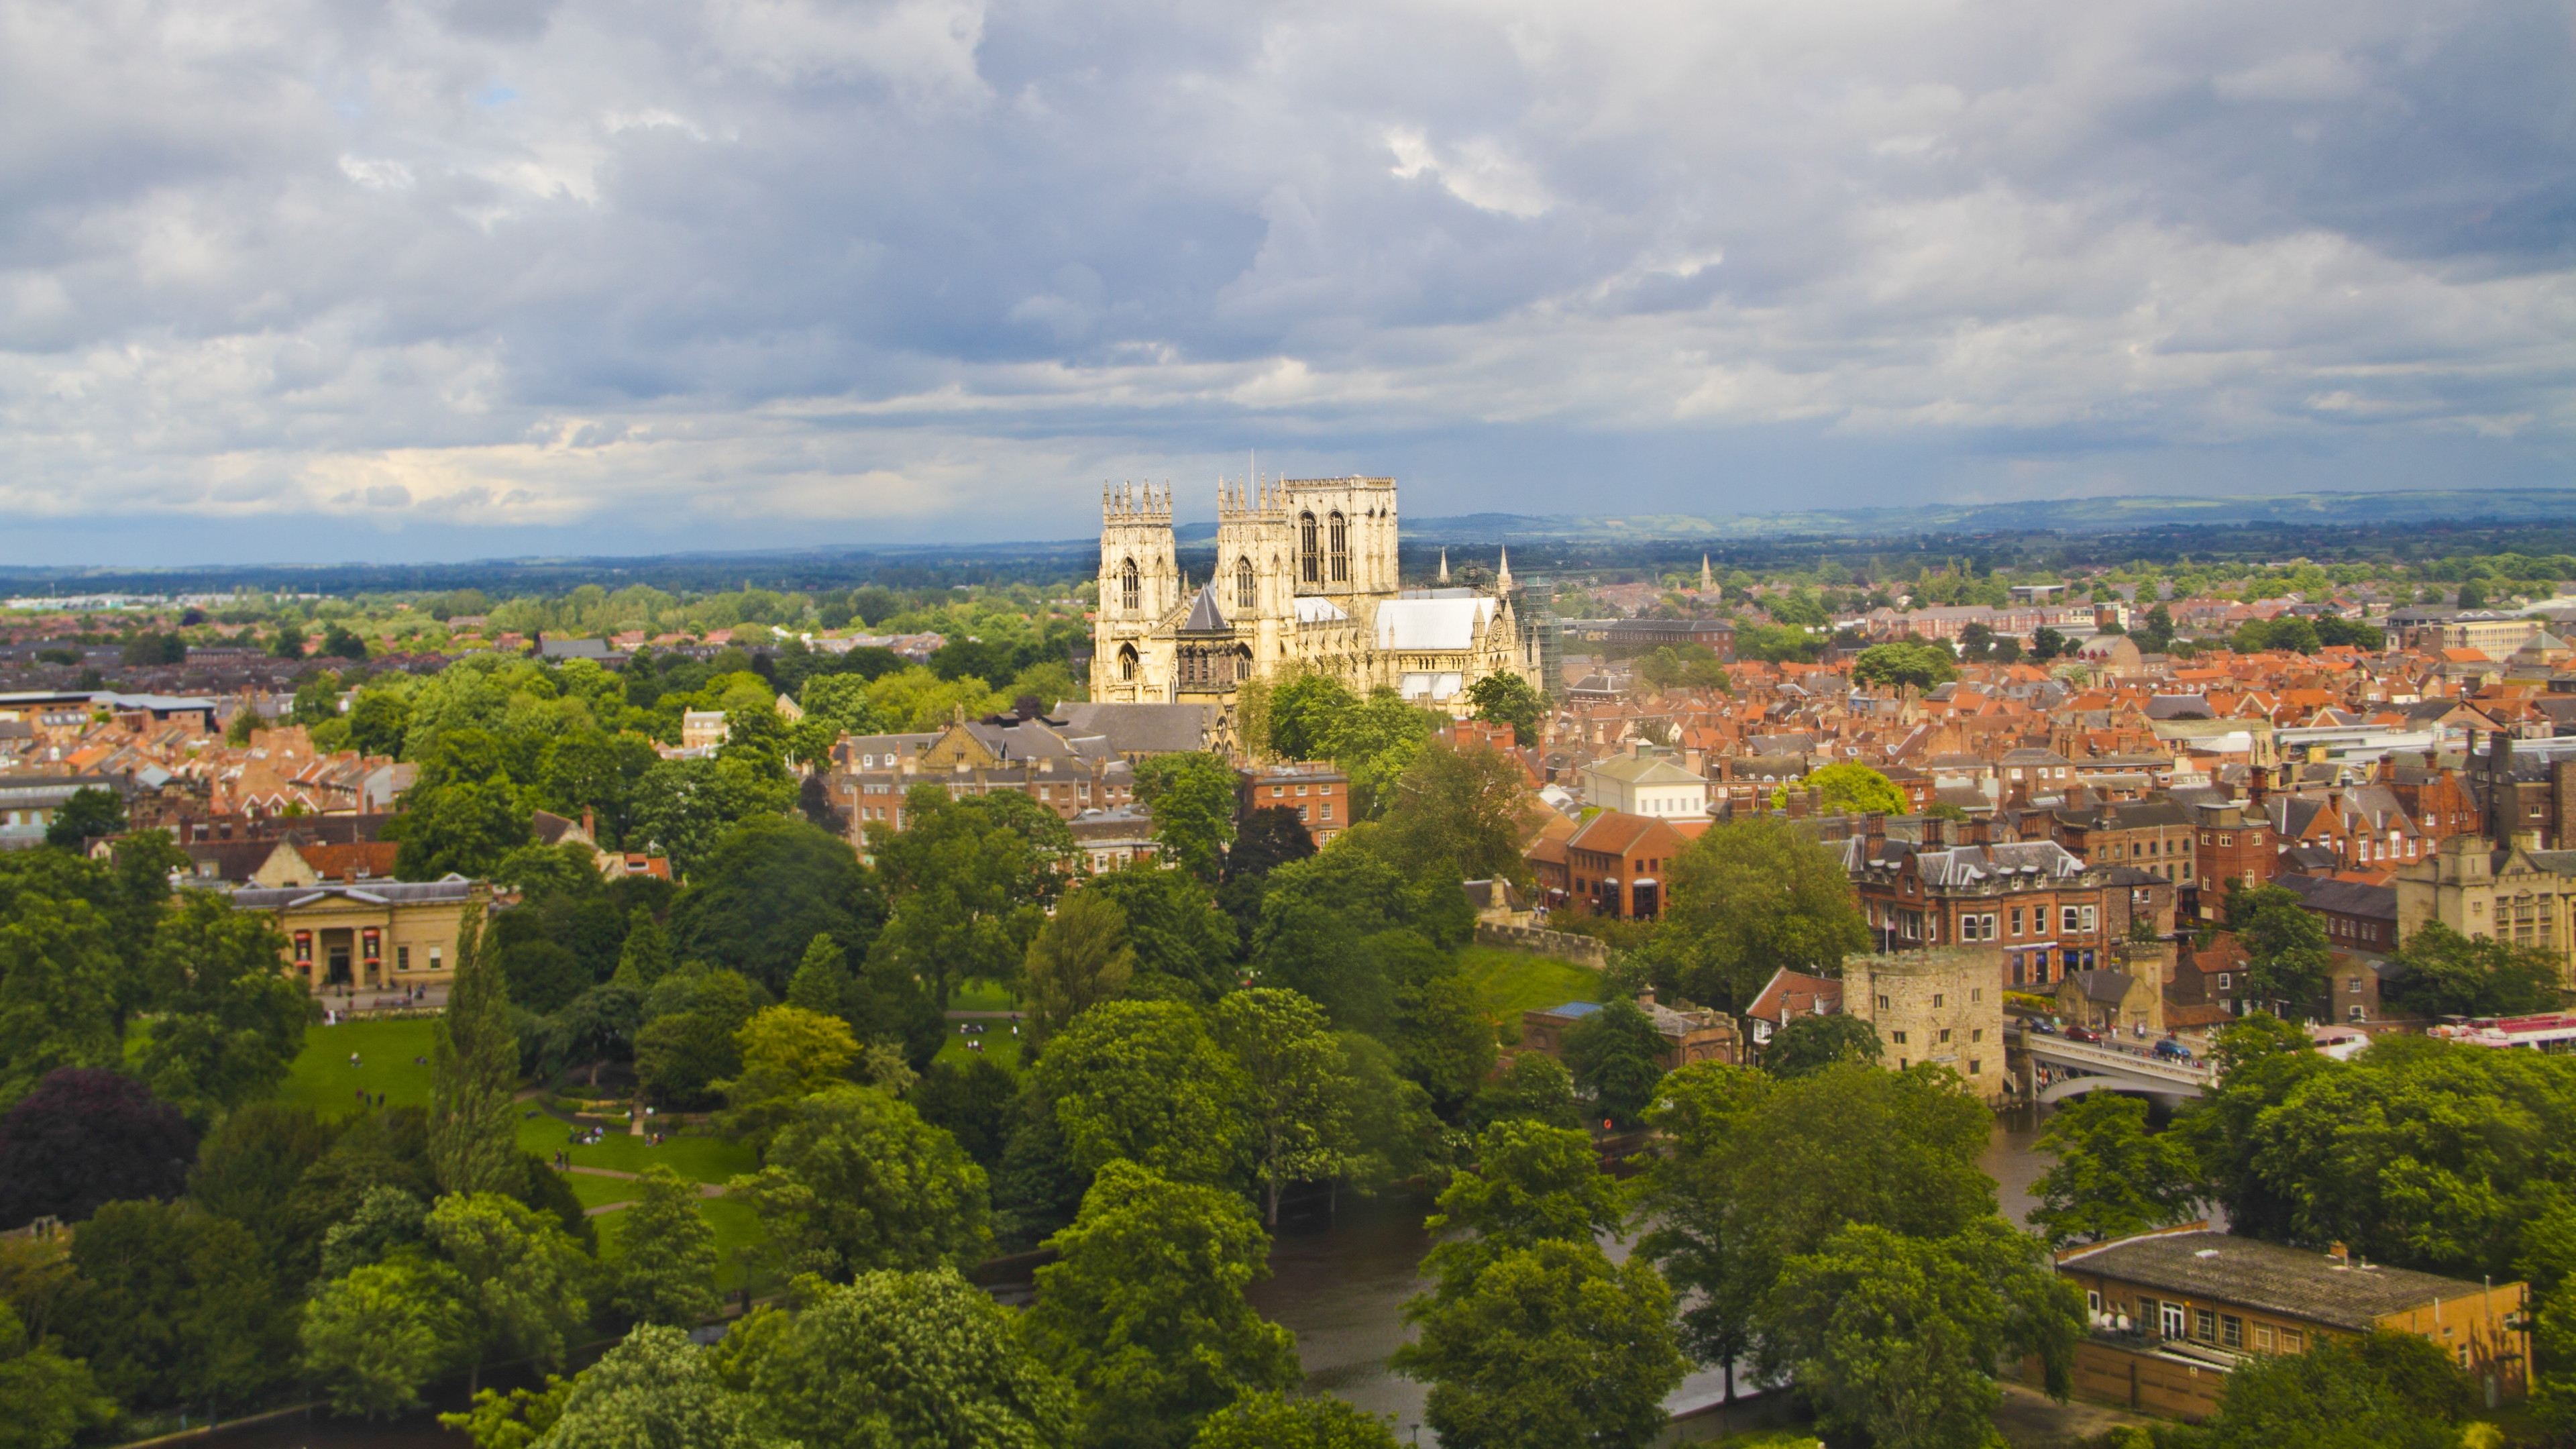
{"points": [[2172, 1050]]}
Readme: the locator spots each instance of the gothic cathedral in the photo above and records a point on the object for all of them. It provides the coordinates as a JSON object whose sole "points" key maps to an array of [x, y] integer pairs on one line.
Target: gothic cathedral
{"points": [[1305, 579]]}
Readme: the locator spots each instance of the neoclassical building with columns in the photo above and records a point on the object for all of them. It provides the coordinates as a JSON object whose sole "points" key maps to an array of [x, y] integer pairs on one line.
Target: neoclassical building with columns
{"points": [[1305, 580]]}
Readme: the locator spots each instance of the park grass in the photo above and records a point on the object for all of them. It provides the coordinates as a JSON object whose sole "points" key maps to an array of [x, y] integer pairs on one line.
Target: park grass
{"points": [[1511, 982], [999, 1046], [595, 1191], [982, 996], [323, 1080], [695, 1156]]}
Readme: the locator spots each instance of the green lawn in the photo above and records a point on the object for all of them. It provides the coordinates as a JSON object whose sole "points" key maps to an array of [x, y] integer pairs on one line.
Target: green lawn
{"points": [[982, 996], [700, 1159], [1512, 982], [999, 1046], [323, 1079], [601, 1191]]}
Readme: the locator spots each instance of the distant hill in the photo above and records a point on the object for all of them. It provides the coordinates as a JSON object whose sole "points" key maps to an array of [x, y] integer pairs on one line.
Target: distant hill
{"points": [[2071, 515]]}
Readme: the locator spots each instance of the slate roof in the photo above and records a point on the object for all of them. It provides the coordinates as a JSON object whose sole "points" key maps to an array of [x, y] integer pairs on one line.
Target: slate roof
{"points": [[1205, 617], [455, 888], [2298, 1282], [2343, 897]]}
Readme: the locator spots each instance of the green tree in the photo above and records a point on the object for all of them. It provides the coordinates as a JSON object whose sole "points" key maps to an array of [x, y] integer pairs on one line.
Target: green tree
{"points": [[463, 827], [2448, 974], [1276, 1421], [1759, 1171], [1508, 699], [524, 1276], [514, 1420], [378, 722], [375, 1338], [841, 700], [46, 1400], [1143, 1309], [1078, 960], [59, 975], [788, 1054], [1143, 1081], [1458, 812], [473, 1069], [1855, 787], [88, 815], [1306, 716], [1746, 900], [656, 1388], [1529, 1335], [1897, 1337], [1813, 1043], [172, 1306], [2260, 1062], [2329, 1397], [1905, 662], [664, 1270], [645, 958], [1192, 799], [1185, 946], [2112, 1177], [1395, 1134], [765, 891], [1295, 1099], [1617, 1057], [856, 1182], [1533, 1087], [970, 880], [2287, 957], [1376, 743], [684, 808], [687, 1043], [913, 1359]]}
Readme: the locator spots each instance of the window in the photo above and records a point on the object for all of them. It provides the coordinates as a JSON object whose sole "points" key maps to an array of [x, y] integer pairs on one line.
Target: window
{"points": [[2091, 922], [1979, 994], [1976, 1033], [1936, 998], [2227, 840], [1328, 809], [2066, 919], [2353, 986], [2169, 1319], [2226, 981], [2262, 1339], [1246, 593], [1341, 550], [2293, 1340], [2204, 1325], [1131, 588], [402, 958], [2231, 1331], [1975, 1066], [1882, 1003], [1945, 1036], [433, 958], [1897, 1037], [2092, 1301], [2016, 920], [1310, 556]]}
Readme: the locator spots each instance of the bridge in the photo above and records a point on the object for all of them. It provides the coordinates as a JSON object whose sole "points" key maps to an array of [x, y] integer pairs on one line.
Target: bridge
{"points": [[2083, 1067]]}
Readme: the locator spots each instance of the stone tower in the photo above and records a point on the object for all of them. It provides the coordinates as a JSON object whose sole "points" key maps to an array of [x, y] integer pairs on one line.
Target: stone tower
{"points": [[1140, 583], [1254, 547]]}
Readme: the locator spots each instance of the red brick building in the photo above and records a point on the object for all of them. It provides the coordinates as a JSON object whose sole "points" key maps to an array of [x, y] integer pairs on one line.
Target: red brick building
{"points": [[1615, 865], [2046, 911], [1318, 792]]}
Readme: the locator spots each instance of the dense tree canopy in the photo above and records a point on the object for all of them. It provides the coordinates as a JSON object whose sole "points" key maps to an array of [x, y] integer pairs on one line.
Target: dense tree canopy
{"points": [[1748, 899]]}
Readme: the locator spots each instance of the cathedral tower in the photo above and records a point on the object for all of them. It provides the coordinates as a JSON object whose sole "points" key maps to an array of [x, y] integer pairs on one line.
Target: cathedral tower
{"points": [[1140, 582]]}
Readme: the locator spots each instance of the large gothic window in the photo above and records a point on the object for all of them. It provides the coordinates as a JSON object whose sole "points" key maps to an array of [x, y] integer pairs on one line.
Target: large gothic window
{"points": [[1309, 557], [1127, 655], [1131, 588], [1245, 594], [1341, 550]]}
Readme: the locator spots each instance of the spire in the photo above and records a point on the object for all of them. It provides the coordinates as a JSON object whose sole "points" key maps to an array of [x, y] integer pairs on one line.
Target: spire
{"points": [[1503, 575], [1444, 565], [1706, 583]]}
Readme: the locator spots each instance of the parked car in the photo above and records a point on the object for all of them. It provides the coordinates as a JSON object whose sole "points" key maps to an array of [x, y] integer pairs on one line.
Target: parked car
{"points": [[2082, 1033], [2172, 1050], [2039, 1024]]}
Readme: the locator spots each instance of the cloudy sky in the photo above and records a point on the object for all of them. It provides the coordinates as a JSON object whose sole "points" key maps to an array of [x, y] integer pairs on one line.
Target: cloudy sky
{"points": [[361, 279]]}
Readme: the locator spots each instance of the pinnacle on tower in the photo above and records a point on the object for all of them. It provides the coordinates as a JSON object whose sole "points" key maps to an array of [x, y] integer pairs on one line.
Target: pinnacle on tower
{"points": [[1706, 583], [1444, 565], [1503, 574]]}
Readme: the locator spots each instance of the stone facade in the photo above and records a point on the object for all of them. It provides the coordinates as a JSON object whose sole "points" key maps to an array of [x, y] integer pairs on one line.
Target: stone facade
{"points": [[375, 934], [1305, 580], [2515, 894], [1942, 1006]]}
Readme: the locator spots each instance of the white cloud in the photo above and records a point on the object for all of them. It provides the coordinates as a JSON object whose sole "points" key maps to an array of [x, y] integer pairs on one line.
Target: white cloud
{"points": [[644, 267]]}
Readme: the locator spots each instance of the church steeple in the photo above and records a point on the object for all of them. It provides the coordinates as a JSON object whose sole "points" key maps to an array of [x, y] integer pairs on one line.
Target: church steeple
{"points": [[1503, 575], [1444, 564], [1705, 582]]}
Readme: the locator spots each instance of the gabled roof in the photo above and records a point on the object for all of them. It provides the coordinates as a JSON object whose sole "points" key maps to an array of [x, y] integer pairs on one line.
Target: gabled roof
{"points": [[1205, 617]]}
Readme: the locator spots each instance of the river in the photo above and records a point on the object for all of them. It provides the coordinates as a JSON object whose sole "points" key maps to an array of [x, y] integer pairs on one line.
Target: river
{"points": [[1338, 1283]]}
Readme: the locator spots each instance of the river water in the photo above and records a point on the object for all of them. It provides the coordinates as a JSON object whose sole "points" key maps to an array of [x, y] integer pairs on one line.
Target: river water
{"points": [[1338, 1281]]}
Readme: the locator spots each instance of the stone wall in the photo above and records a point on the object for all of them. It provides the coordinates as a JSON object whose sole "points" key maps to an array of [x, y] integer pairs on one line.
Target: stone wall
{"points": [[1585, 950]]}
